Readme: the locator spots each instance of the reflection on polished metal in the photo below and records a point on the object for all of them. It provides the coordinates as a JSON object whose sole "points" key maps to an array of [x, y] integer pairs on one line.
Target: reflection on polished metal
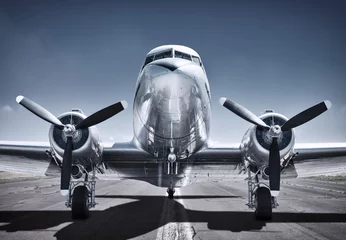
{"points": [[172, 107], [171, 147], [275, 131], [171, 156]]}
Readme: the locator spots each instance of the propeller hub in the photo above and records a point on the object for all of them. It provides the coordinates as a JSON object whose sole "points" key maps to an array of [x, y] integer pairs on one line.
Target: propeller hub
{"points": [[275, 131], [69, 130]]}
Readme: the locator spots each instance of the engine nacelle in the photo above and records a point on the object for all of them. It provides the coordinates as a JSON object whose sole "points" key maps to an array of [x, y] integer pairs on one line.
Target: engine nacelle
{"points": [[257, 140], [87, 148]]}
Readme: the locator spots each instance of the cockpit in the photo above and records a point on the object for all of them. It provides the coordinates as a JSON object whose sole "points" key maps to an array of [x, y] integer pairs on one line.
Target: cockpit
{"points": [[171, 53]]}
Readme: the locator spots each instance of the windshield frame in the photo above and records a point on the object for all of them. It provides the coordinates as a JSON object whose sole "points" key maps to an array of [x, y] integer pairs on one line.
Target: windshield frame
{"points": [[152, 57]]}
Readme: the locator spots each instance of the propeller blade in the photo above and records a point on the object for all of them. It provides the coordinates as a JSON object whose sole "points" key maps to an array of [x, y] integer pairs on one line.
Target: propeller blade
{"points": [[274, 167], [306, 115], [66, 168], [102, 115], [242, 112], [39, 111]]}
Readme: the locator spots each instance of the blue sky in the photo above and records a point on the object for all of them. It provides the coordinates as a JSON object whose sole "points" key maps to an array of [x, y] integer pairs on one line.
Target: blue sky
{"points": [[281, 55]]}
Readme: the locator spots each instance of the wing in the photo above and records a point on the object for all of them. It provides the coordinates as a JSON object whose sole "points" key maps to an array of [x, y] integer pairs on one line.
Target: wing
{"points": [[126, 160], [320, 159], [26, 157], [128, 151], [218, 153], [216, 162]]}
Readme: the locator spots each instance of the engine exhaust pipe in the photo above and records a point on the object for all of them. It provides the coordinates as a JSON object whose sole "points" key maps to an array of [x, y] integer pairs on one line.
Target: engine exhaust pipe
{"points": [[265, 173], [77, 171]]}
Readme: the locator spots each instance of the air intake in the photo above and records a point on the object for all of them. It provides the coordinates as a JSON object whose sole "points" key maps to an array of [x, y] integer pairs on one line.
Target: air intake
{"points": [[79, 137]]}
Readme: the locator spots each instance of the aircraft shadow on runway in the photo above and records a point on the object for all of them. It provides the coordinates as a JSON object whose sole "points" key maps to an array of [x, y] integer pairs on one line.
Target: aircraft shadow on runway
{"points": [[142, 216]]}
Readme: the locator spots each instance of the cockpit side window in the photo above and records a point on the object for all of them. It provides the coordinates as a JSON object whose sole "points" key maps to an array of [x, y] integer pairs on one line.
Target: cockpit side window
{"points": [[182, 55], [149, 59], [196, 60]]}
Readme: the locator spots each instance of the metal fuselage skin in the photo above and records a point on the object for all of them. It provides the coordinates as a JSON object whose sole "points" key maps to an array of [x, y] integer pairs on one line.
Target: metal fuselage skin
{"points": [[172, 108]]}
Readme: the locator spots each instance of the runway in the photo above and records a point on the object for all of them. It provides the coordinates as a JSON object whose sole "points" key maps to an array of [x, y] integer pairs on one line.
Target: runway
{"points": [[128, 209]]}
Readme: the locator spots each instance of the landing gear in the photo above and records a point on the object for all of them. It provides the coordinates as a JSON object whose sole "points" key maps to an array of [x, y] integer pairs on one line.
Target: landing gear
{"points": [[80, 209], [260, 198], [263, 204], [170, 191], [81, 197], [172, 170]]}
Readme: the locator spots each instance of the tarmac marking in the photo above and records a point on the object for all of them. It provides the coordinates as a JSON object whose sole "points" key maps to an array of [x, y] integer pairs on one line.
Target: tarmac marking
{"points": [[171, 227]]}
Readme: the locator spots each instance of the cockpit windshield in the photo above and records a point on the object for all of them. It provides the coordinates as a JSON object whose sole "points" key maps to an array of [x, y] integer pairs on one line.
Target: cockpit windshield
{"points": [[182, 55], [165, 54], [169, 54]]}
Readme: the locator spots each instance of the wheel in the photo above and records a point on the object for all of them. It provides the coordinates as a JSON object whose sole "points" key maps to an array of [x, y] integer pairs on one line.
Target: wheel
{"points": [[264, 204], [170, 193], [80, 208]]}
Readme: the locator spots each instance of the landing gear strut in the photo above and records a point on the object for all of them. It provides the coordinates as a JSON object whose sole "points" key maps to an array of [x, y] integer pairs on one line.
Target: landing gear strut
{"points": [[171, 170], [81, 196], [170, 191], [260, 198]]}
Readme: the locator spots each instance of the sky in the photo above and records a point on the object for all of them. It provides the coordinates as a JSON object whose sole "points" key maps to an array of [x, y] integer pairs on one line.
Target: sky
{"points": [[280, 55]]}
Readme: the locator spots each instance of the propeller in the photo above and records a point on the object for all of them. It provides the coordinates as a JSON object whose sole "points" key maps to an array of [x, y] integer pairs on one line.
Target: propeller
{"points": [[66, 167], [274, 167], [242, 112], [39, 111], [275, 131], [306, 115], [102, 115], [69, 130]]}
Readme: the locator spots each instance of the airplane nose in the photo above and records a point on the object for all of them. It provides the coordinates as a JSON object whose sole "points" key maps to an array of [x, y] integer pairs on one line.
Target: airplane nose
{"points": [[175, 98], [168, 101], [173, 85]]}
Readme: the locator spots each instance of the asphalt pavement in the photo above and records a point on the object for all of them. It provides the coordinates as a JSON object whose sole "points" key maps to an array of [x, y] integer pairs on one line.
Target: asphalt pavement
{"points": [[129, 209]]}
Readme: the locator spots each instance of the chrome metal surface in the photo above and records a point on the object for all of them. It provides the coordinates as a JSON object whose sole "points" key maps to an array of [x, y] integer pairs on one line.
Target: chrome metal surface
{"points": [[172, 108]]}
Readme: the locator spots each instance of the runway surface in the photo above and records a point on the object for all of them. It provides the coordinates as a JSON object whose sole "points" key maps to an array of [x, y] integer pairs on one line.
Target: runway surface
{"points": [[309, 209]]}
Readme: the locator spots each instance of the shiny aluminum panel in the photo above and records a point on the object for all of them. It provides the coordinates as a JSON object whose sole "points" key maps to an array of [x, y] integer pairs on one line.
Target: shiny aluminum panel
{"points": [[180, 174], [172, 108]]}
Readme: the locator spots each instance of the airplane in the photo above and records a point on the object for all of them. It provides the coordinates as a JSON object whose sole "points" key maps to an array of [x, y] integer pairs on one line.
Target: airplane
{"points": [[171, 146]]}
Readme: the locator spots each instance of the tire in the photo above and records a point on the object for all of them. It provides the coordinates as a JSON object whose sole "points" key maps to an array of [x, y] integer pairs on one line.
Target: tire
{"points": [[80, 208], [264, 204]]}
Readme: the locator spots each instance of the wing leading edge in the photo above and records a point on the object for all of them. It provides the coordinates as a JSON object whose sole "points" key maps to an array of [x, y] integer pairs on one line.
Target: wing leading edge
{"points": [[127, 160]]}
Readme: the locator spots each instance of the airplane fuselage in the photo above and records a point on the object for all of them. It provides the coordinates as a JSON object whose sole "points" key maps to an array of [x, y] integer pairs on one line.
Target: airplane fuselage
{"points": [[172, 103]]}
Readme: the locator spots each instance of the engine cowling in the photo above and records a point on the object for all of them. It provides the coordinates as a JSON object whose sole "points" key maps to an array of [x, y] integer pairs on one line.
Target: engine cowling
{"points": [[87, 148], [256, 141]]}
